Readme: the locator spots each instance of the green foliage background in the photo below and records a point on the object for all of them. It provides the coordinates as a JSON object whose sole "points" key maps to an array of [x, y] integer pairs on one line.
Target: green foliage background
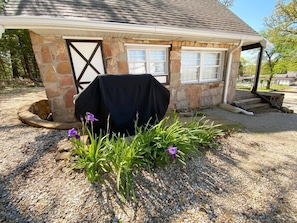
{"points": [[16, 55]]}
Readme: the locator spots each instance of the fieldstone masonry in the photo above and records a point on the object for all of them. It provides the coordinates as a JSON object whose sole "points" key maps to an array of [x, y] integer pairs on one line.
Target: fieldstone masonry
{"points": [[234, 75], [52, 57]]}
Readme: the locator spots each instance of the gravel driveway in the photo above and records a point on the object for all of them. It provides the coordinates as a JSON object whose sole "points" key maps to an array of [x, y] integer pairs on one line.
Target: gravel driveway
{"points": [[250, 177]]}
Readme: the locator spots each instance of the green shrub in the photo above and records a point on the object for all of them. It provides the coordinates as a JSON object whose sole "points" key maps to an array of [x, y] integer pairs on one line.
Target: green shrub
{"points": [[93, 157], [151, 146]]}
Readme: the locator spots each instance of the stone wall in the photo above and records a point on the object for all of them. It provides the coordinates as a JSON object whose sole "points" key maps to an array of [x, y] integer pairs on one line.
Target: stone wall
{"points": [[193, 96], [53, 60], [233, 75], [183, 96]]}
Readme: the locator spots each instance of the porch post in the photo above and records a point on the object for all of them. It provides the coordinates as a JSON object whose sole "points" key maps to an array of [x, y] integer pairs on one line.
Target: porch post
{"points": [[260, 55]]}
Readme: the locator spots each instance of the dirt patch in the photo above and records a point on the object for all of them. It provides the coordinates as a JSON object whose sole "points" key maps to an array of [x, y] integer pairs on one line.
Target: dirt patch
{"points": [[10, 85]]}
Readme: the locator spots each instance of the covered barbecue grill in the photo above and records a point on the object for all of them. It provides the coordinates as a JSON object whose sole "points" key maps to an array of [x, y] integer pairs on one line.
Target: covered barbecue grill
{"points": [[121, 99]]}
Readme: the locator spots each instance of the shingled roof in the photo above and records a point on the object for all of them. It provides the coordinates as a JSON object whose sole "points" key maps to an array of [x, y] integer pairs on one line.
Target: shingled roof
{"points": [[193, 16]]}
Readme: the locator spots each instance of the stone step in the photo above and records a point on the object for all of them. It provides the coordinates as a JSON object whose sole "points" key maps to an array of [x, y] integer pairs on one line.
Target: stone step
{"points": [[252, 107], [247, 101], [239, 95]]}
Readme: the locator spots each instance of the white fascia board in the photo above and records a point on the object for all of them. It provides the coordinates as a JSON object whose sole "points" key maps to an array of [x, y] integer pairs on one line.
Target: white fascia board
{"points": [[42, 22], [266, 43], [208, 33]]}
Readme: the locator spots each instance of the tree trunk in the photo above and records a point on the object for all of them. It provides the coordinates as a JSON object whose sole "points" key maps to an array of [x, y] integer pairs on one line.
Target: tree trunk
{"points": [[3, 72], [271, 65], [269, 81], [25, 60], [15, 70]]}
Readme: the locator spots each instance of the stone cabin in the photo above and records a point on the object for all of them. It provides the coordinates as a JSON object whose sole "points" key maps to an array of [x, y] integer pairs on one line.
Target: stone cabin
{"points": [[192, 47]]}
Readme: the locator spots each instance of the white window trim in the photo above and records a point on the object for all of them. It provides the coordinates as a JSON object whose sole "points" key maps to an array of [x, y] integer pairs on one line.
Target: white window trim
{"points": [[191, 48], [147, 48], [137, 45], [202, 51]]}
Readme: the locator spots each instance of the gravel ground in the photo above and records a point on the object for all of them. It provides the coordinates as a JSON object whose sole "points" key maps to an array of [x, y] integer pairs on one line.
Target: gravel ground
{"points": [[250, 177]]}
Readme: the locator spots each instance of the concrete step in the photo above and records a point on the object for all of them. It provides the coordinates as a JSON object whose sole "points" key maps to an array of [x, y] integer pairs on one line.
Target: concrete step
{"points": [[252, 107], [247, 101], [240, 95]]}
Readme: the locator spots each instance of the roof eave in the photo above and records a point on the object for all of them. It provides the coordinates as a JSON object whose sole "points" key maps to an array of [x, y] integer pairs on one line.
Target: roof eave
{"points": [[42, 23]]}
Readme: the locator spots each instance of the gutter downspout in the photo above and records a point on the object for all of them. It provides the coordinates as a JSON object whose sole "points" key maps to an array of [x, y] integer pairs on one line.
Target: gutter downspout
{"points": [[229, 71]]}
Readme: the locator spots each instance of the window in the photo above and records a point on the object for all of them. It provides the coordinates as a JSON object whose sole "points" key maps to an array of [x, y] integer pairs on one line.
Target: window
{"points": [[201, 66], [149, 59]]}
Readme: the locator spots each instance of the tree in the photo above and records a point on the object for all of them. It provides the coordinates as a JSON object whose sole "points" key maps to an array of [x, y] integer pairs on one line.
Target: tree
{"points": [[269, 66], [246, 69], [282, 27], [227, 3], [2, 4], [284, 18], [16, 56], [242, 64], [282, 32]]}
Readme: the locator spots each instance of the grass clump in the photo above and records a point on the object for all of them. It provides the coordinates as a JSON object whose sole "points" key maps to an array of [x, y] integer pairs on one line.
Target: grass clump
{"points": [[168, 141]]}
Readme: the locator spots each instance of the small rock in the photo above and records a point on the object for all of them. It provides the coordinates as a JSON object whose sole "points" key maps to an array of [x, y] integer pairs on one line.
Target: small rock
{"points": [[63, 156], [65, 146], [286, 110]]}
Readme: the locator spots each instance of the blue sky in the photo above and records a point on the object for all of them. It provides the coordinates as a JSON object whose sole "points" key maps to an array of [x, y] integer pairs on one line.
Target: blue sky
{"points": [[253, 11]]}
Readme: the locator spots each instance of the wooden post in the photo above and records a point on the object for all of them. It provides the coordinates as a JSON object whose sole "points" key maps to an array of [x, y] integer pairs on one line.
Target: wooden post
{"points": [[260, 55]]}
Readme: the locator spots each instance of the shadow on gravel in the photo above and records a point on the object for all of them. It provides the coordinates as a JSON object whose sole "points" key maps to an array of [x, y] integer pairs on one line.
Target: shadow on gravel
{"points": [[165, 193], [42, 145], [12, 127]]}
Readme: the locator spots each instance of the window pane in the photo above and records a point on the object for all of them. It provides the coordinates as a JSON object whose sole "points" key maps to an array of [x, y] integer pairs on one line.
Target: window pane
{"points": [[190, 59], [137, 68], [136, 55], [211, 59], [189, 73], [210, 73], [157, 68], [157, 55], [149, 60]]}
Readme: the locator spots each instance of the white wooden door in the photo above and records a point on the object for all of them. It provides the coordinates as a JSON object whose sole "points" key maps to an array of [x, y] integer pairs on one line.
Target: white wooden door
{"points": [[86, 61]]}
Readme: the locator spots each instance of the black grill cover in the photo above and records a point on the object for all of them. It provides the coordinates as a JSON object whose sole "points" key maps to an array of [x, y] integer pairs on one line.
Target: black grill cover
{"points": [[123, 97]]}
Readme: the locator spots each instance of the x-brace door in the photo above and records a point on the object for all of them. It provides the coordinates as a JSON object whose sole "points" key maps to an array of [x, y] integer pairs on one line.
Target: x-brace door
{"points": [[86, 61]]}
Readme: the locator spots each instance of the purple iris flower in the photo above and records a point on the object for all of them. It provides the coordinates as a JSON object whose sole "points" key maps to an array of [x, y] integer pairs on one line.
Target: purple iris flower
{"points": [[72, 133], [172, 151], [90, 117]]}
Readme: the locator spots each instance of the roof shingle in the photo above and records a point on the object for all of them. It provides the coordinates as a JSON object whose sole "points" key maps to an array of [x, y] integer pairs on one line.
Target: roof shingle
{"points": [[191, 14]]}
